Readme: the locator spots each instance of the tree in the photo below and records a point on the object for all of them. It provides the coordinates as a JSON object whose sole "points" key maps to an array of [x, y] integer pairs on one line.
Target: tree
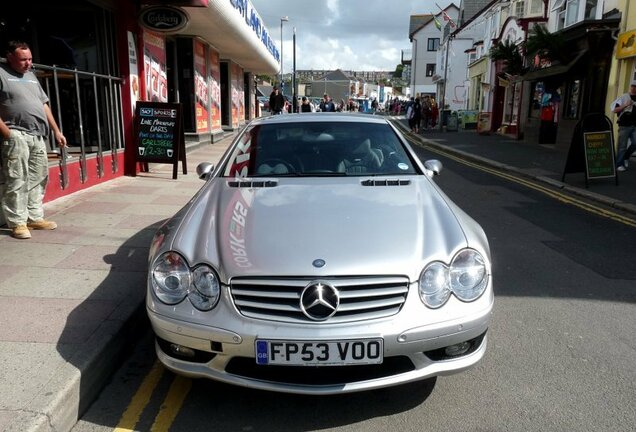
{"points": [[509, 54], [546, 45]]}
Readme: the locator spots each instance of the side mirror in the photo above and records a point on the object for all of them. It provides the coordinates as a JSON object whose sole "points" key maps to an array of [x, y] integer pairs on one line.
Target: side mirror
{"points": [[204, 169], [433, 166]]}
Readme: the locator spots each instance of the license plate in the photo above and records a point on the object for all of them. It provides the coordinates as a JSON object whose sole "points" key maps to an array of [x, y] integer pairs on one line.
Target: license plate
{"points": [[319, 353]]}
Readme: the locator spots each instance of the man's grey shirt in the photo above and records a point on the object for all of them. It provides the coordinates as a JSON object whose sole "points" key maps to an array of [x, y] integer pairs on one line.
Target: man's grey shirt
{"points": [[22, 102]]}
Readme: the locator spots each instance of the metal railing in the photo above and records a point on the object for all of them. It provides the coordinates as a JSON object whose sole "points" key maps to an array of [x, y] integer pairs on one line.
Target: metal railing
{"points": [[87, 107]]}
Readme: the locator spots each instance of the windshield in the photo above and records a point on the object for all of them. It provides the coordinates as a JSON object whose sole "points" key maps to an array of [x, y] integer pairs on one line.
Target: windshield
{"points": [[319, 149]]}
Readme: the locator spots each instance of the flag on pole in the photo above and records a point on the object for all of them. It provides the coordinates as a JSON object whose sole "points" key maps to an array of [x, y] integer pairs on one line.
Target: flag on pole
{"points": [[447, 18], [437, 23]]}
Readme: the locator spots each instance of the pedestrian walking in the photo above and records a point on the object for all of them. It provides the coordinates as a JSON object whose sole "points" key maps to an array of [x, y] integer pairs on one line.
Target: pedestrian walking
{"points": [[25, 121], [374, 106], [417, 115], [426, 112], [434, 113], [276, 101], [326, 104], [624, 107], [410, 114], [305, 106]]}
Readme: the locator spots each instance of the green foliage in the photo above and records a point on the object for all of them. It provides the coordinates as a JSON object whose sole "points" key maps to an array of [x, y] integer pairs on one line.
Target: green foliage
{"points": [[509, 53], [545, 44], [266, 78]]}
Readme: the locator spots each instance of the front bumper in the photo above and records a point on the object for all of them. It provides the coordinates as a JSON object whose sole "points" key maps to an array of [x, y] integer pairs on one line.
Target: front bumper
{"points": [[229, 357]]}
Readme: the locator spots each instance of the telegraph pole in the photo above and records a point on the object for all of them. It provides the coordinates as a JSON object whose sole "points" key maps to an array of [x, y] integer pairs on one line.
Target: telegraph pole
{"points": [[294, 90]]}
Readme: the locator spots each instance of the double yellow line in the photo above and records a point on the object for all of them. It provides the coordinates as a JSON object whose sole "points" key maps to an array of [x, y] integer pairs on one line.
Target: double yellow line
{"points": [[560, 196], [170, 406]]}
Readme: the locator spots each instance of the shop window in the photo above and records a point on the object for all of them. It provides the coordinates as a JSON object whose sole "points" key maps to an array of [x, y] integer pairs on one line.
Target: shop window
{"points": [[430, 69], [538, 88], [573, 100], [433, 44], [70, 42]]}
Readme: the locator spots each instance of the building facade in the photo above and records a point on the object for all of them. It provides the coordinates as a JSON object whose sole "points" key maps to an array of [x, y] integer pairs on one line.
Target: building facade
{"points": [[560, 92], [426, 33], [623, 63], [578, 69], [97, 59]]}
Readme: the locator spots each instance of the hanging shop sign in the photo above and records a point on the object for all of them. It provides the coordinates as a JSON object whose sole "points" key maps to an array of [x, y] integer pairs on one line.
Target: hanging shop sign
{"points": [[164, 19], [626, 45]]}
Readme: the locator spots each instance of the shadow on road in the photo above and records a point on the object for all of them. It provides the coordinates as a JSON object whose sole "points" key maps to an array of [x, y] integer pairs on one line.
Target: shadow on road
{"points": [[100, 333], [278, 412]]}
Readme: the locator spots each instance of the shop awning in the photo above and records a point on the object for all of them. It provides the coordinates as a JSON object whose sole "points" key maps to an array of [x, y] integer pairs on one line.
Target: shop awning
{"points": [[235, 37], [554, 70]]}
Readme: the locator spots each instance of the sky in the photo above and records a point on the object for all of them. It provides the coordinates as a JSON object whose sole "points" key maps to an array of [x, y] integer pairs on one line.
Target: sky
{"points": [[358, 35]]}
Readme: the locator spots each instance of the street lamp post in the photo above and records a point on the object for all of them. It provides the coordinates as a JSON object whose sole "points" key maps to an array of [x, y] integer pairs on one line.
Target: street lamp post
{"points": [[282, 19], [294, 84]]}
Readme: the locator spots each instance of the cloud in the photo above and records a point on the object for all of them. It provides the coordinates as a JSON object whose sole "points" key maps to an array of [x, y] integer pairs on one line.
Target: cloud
{"points": [[346, 34]]}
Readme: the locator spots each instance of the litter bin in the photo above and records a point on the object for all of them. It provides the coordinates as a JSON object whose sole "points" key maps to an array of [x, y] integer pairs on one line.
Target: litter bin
{"points": [[451, 122], [444, 119]]}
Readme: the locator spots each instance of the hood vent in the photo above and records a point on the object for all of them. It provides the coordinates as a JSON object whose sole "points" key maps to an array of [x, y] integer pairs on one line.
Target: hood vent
{"points": [[386, 182], [252, 183]]}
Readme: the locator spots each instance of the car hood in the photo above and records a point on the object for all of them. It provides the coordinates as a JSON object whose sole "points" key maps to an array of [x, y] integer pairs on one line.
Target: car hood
{"points": [[282, 228]]}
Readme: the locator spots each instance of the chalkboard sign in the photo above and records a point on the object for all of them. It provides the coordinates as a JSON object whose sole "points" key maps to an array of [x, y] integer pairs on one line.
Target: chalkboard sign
{"points": [[159, 134], [599, 154], [483, 123], [592, 149]]}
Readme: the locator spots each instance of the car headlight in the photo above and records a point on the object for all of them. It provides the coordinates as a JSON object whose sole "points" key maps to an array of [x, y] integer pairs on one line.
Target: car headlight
{"points": [[466, 278], [206, 290], [468, 275], [435, 285], [172, 281], [171, 278]]}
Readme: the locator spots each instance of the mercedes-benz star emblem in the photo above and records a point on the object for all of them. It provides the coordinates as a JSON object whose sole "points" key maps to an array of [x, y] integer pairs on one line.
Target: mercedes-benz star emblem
{"points": [[319, 301], [318, 263]]}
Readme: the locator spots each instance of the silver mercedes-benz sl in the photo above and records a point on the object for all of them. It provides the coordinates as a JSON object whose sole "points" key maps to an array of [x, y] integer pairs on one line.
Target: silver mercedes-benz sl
{"points": [[320, 257]]}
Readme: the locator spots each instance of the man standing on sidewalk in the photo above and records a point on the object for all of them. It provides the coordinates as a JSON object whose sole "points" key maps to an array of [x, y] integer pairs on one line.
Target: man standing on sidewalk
{"points": [[624, 107], [25, 118], [276, 102]]}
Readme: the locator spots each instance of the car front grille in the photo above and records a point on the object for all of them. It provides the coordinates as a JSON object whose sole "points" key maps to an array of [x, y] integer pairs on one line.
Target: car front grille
{"points": [[278, 299]]}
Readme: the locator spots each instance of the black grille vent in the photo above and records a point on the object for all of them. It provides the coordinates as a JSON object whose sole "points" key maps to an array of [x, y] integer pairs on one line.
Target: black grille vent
{"points": [[252, 183], [386, 182]]}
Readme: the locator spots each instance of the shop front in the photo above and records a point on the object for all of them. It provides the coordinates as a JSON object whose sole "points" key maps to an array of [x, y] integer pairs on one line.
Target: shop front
{"points": [[95, 60], [479, 87], [558, 94]]}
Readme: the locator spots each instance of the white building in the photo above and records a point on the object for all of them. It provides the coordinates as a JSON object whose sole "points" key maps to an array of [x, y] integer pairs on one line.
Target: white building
{"points": [[425, 34], [453, 85]]}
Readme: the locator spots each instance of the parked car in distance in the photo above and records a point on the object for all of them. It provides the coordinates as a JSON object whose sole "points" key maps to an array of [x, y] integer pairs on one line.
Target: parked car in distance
{"points": [[264, 103], [320, 257]]}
